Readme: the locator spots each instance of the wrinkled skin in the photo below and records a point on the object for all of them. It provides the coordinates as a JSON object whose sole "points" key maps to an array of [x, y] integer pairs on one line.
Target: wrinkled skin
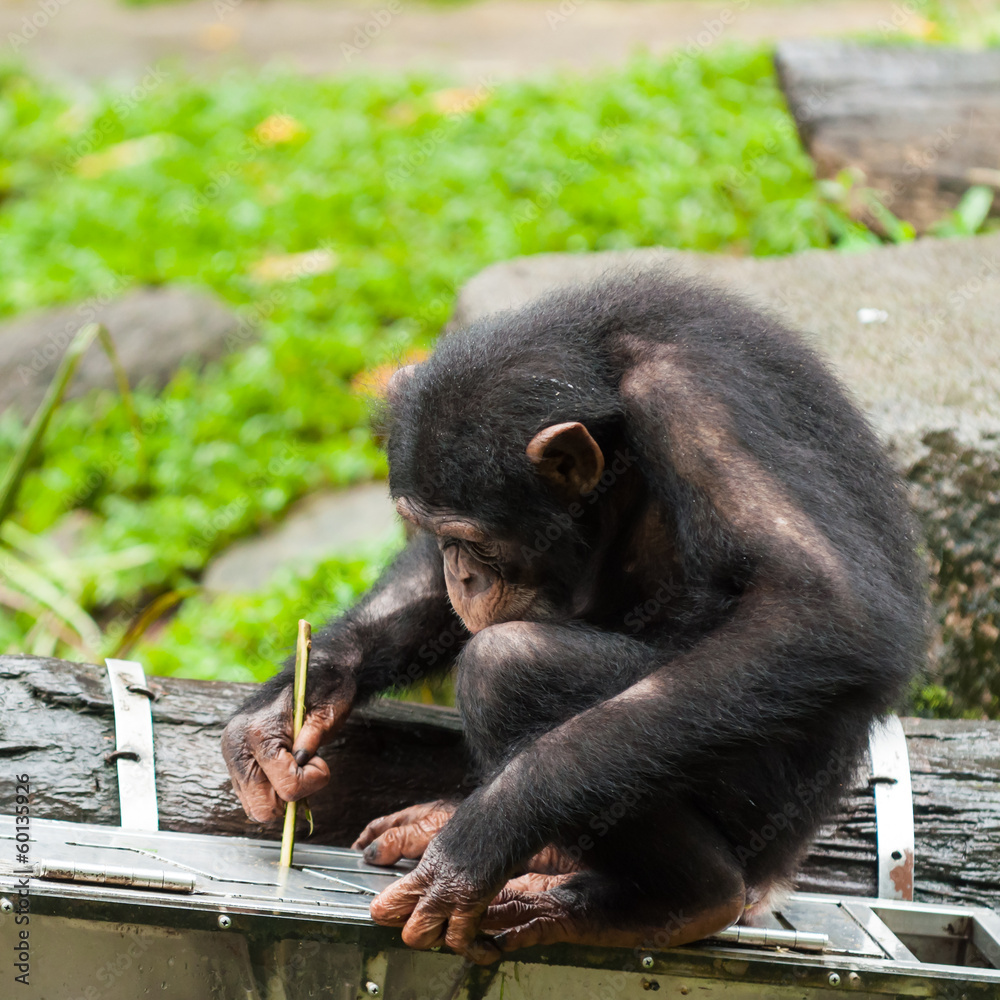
{"points": [[403, 834], [436, 904], [266, 767], [522, 911]]}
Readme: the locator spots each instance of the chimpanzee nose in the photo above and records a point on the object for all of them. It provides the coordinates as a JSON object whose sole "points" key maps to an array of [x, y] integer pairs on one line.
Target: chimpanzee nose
{"points": [[464, 571]]}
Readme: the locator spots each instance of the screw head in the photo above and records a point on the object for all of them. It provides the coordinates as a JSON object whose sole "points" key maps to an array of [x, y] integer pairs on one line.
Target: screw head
{"points": [[834, 979], [372, 989], [6, 906], [646, 961], [225, 921], [854, 979]]}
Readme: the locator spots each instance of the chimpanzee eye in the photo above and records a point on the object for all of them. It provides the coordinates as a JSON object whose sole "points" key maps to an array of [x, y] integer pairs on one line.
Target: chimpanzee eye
{"points": [[483, 551]]}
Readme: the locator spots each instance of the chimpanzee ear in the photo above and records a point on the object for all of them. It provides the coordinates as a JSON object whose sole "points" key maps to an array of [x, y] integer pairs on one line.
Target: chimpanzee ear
{"points": [[567, 456], [397, 380]]}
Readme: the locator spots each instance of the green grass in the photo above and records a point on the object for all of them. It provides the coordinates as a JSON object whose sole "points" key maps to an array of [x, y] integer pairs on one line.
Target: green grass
{"points": [[413, 189]]}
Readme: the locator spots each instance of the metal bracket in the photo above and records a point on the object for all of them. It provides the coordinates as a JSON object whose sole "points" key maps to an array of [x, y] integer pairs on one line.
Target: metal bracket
{"points": [[134, 745], [893, 808]]}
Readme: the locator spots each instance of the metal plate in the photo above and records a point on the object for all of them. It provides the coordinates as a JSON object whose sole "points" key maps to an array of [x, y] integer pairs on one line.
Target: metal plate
{"points": [[256, 935], [893, 808], [134, 746]]}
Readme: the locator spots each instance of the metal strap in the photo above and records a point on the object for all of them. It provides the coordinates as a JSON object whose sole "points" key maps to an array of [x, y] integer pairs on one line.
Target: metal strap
{"points": [[893, 808], [134, 742]]}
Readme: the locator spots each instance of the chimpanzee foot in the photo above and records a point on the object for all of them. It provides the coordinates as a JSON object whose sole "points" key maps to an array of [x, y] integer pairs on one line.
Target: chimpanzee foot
{"points": [[552, 860], [531, 910]]}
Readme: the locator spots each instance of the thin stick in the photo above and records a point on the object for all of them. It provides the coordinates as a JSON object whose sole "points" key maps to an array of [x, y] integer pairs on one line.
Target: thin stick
{"points": [[302, 647]]}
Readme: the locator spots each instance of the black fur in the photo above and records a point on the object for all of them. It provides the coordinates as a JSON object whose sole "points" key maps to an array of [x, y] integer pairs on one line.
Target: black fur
{"points": [[766, 670]]}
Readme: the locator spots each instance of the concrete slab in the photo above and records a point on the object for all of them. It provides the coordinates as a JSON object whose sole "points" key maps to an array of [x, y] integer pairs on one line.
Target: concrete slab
{"points": [[322, 526], [913, 330]]}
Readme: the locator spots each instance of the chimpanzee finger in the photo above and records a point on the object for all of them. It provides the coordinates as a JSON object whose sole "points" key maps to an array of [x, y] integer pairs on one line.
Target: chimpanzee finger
{"points": [[461, 936], [393, 906], [532, 882], [509, 909], [408, 841], [427, 924], [375, 829], [540, 930], [482, 951], [260, 801], [251, 786], [319, 726], [290, 781], [403, 817]]}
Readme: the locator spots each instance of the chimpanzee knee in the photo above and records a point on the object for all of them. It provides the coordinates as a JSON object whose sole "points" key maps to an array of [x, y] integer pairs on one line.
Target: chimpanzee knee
{"points": [[500, 701], [514, 682]]}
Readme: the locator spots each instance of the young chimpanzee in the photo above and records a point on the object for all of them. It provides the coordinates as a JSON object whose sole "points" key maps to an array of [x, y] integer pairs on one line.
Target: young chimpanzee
{"points": [[685, 583]]}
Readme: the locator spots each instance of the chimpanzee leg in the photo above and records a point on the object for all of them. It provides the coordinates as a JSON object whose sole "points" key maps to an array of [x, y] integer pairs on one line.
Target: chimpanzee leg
{"points": [[518, 680], [659, 879], [658, 871]]}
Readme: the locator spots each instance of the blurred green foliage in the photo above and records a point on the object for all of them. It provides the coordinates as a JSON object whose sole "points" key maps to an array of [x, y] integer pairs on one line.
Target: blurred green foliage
{"points": [[406, 188]]}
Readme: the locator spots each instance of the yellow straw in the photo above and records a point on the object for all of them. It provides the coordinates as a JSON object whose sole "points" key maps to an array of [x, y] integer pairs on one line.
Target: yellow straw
{"points": [[302, 647]]}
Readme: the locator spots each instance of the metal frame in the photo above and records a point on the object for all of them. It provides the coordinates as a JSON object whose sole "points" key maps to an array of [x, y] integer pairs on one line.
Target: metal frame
{"points": [[893, 808], [134, 745], [116, 898]]}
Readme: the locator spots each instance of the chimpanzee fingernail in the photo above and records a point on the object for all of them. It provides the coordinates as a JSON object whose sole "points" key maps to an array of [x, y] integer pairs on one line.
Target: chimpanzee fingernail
{"points": [[371, 852], [302, 757]]}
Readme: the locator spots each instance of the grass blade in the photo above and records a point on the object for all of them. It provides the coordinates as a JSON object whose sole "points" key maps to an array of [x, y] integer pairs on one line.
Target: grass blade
{"points": [[121, 378], [36, 429], [154, 610], [45, 592]]}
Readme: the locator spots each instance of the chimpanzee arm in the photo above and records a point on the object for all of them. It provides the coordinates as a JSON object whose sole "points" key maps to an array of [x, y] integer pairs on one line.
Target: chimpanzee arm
{"points": [[403, 629]]}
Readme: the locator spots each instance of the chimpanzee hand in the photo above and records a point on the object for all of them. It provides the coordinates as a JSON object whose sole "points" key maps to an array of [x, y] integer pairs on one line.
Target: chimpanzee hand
{"points": [[403, 834], [437, 904], [266, 768]]}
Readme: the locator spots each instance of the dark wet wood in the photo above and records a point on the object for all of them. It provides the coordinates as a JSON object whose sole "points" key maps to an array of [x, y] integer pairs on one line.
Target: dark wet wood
{"points": [[922, 123], [955, 770], [57, 725]]}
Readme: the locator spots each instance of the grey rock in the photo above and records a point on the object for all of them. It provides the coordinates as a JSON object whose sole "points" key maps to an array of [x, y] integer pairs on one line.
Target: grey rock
{"points": [[321, 526], [914, 333], [155, 331], [930, 361]]}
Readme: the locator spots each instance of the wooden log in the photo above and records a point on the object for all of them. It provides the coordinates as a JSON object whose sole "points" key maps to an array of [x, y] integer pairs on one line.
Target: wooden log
{"points": [[922, 124], [57, 726]]}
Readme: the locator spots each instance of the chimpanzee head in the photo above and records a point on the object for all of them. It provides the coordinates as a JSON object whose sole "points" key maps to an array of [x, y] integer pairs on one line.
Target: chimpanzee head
{"points": [[493, 442]]}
